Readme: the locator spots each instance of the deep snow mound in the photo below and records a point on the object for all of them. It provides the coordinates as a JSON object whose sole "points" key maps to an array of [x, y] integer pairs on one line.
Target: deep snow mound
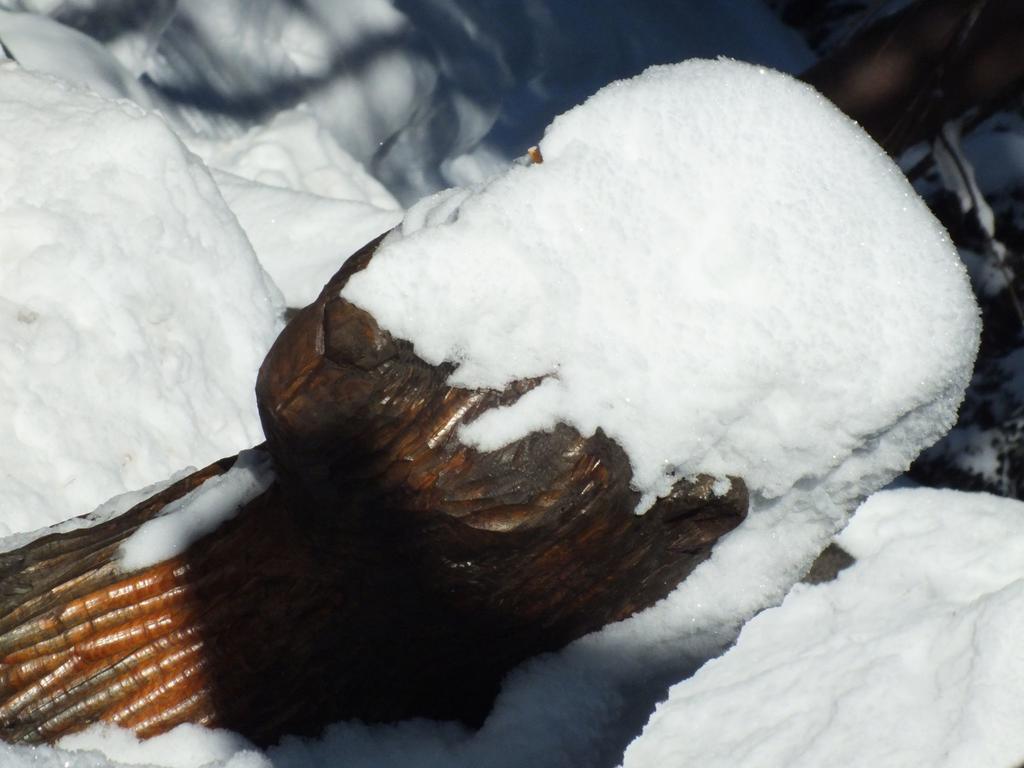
{"points": [[133, 312]]}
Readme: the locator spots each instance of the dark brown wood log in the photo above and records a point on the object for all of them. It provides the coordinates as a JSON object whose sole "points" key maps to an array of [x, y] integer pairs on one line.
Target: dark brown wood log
{"points": [[906, 75], [390, 572]]}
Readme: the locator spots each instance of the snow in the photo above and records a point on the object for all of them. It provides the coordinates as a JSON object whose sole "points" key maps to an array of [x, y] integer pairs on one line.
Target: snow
{"points": [[183, 747], [37, 42], [199, 512], [983, 170], [996, 151], [425, 95], [908, 658], [187, 746], [779, 345], [302, 239], [108, 510], [304, 203], [127, 251], [295, 151], [133, 312], [307, 205]]}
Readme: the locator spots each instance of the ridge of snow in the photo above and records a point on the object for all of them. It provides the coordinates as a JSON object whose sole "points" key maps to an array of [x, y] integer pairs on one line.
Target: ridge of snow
{"points": [[294, 151]]}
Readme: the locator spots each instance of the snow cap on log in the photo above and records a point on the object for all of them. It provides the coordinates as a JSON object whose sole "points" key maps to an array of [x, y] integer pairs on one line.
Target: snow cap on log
{"points": [[714, 266]]}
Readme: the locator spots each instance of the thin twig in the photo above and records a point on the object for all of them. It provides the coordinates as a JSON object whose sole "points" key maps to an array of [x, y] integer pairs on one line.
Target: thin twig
{"points": [[5, 52], [990, 247]]}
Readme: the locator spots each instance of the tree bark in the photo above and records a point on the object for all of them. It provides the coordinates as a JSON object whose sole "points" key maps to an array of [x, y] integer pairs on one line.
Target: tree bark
{"points": [[391, 572]]}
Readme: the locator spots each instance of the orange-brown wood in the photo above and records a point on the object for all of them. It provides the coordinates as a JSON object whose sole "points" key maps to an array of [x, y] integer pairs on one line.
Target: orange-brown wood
{"points": [[390, 572]]}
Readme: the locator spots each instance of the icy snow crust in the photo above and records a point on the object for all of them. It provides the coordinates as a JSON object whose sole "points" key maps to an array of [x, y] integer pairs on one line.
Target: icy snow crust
{"points": [[909, 658], [712, 265], [133, 312]]}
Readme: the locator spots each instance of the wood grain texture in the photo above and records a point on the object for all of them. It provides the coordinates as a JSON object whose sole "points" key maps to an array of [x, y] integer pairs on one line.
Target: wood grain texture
{"points": [[81, 641], [390, 572]]}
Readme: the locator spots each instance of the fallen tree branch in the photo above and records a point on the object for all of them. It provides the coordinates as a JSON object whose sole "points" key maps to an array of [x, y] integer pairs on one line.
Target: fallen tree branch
{"points": [[909, 73]]}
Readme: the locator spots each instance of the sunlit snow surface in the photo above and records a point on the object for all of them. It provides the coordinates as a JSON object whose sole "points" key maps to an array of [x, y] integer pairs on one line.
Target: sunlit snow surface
{"points": [[302, 238], [910, 658], [714, 266], [870, 388], [295, 151], [133, 312], [425, 94], [41, 44], [303, 202]]}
